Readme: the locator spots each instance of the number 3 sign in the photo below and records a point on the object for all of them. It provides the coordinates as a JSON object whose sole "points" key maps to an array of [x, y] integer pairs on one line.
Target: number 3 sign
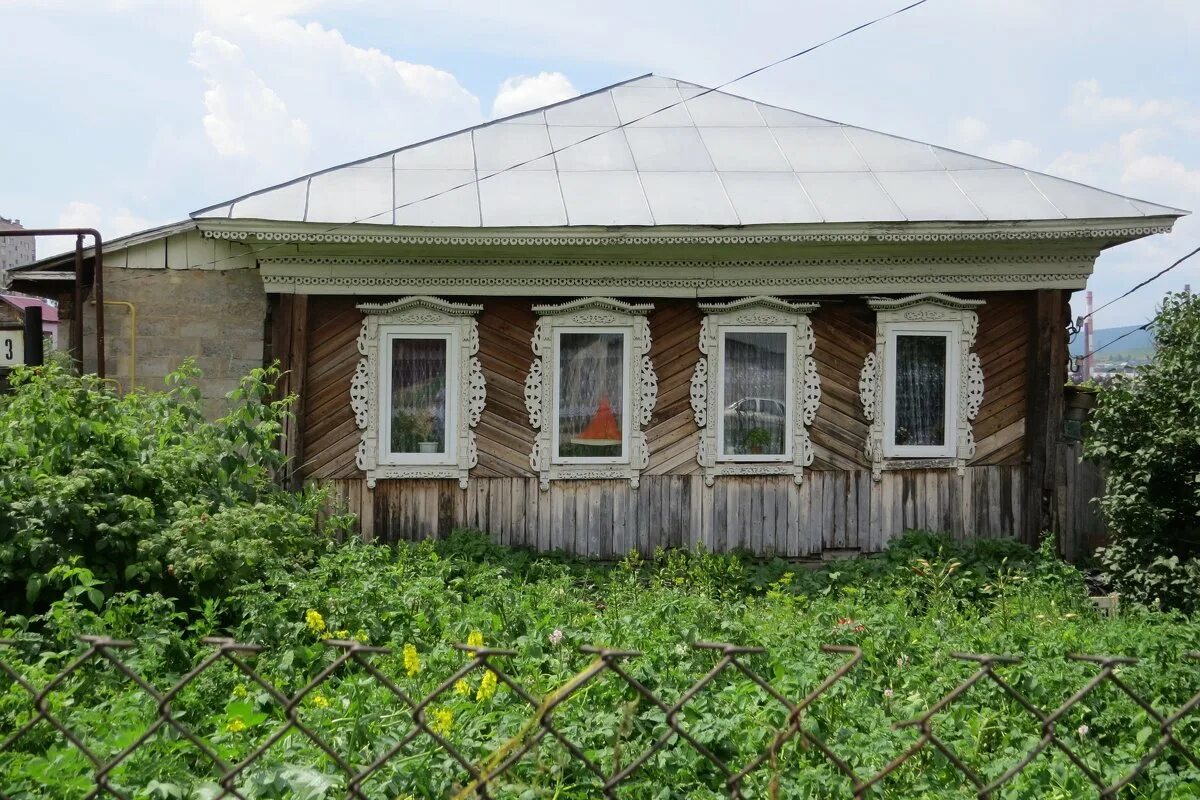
{"points": [[12, 348]]}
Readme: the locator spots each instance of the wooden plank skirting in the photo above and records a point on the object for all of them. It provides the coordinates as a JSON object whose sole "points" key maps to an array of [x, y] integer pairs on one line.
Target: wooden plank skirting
{"points": [[830, 511]]}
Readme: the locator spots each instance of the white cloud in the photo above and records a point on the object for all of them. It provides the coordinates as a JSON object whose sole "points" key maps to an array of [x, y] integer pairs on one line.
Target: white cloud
{"points": [[1081, 167], [525, 92], [971, 135], [1020, 152], [1160, 170], [245, 116], [969, 131], [84, 214], [286, 96], [1090, 105]]}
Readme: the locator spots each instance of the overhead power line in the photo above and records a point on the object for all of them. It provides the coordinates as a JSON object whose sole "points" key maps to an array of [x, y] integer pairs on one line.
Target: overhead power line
{"points": [[1127, 334], [1146, 282], [477, 179]]}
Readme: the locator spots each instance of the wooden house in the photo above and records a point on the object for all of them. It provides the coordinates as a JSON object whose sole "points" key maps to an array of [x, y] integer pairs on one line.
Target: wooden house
{"points": [[650, 315]]}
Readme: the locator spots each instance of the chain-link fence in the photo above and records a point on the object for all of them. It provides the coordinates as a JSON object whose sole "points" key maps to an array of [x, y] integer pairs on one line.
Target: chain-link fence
{"points": [[488, 768]]}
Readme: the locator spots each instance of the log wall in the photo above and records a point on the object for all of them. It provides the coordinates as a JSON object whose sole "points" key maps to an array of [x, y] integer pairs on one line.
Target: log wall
{"points": [[837, 507]]}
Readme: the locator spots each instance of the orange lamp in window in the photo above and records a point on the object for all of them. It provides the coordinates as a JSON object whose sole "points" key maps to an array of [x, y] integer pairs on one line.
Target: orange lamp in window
{"points": [[602, 430]]}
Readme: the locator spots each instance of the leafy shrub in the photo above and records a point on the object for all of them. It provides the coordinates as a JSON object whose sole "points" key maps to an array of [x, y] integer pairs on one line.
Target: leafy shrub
{"points": [[1146, 429], [140, 490]]}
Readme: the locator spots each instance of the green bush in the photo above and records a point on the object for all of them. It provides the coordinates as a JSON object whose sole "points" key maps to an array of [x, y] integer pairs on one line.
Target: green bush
{"points": [[140, 491], [1146, 430]]}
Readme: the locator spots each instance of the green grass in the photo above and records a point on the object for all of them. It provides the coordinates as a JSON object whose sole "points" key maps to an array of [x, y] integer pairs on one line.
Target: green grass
{"points": [[907, 610]]}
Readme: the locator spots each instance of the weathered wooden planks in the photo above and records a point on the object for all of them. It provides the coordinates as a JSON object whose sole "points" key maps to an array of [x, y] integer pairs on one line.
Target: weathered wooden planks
{"points": [[829, 511]]}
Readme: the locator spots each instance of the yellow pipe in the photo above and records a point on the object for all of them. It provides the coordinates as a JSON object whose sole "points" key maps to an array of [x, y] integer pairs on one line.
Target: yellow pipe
{"points": [[132, 337]]}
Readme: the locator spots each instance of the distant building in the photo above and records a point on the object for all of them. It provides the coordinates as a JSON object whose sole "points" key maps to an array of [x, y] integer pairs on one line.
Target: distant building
{"points": [[14, 250]]}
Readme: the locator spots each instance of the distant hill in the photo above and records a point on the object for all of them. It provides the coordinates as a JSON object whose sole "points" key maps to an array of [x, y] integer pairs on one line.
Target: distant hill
{"points": [[1139, 343]]}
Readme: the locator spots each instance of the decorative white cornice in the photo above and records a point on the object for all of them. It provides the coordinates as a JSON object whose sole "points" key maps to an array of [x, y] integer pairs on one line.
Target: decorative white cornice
{"points": [[599, 303], [281, 263], [686, 286], [421, 301], [840, 233], [930, 298]]}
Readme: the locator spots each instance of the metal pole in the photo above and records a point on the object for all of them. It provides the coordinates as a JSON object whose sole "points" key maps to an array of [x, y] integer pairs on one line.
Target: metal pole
{"points": [[77, 312], [34, 341]]}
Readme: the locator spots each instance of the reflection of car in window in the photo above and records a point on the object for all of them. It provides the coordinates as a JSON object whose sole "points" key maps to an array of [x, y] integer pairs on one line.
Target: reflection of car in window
{"points": [[759, 412]]}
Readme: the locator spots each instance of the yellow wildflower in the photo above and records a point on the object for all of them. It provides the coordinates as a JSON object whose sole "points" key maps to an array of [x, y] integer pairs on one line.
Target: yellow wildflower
{"points": [[360, 636], [235, 726], [443, 721], [475, 639], [487, 687], [461, 687], [412, 663], [320, 701], [342, 634], [240, 690], [315, 622]]}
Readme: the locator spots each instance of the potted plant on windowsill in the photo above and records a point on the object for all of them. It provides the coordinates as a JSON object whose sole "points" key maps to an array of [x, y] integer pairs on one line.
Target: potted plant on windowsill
{"points": [[757, 441]]}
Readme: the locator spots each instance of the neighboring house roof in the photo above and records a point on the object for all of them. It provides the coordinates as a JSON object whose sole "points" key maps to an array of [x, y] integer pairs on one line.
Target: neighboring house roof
{"points": [[67, 258], [49, 310], [712, 158]]}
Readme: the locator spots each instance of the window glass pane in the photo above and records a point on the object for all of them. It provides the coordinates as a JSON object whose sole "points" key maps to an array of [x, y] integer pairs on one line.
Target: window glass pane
{"points": [[418, 396], [591, 395], [755, 393], [921, 390]]}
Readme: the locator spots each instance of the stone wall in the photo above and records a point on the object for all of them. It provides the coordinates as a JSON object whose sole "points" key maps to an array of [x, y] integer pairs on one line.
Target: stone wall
{"points": [[215, 317]]}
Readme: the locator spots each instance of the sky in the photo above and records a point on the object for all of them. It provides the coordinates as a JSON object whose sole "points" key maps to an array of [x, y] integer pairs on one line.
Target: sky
{"points": [[124, 114]]}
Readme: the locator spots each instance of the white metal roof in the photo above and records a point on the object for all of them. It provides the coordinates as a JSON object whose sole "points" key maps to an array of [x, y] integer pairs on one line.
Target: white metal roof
{"points": [[708, 159]]}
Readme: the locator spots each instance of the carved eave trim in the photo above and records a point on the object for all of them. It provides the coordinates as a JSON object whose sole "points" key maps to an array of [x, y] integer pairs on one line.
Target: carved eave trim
{"points": [[600, 312], [421, 301], [759, 301], [589, 303], [805, 391], [929, 298], [1113, 229], [365, 400]]}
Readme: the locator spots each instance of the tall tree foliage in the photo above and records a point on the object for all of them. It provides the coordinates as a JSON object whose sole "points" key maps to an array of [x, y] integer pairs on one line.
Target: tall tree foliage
{"points": [[1147, 431]]}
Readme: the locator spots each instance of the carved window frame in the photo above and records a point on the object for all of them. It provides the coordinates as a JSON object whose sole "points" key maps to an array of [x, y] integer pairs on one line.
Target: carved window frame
{"points": [[408, 317], [922, 314], [641, 387], [804, 395]]}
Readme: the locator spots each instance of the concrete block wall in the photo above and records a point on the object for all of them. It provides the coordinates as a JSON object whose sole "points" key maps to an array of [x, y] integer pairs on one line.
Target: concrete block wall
{"points": [[216, 317]]}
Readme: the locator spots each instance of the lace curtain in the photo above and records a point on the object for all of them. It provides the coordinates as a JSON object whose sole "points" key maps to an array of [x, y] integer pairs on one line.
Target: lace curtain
{"points": [[755, 413], [591, 395], [418, 422], [921, 390]]}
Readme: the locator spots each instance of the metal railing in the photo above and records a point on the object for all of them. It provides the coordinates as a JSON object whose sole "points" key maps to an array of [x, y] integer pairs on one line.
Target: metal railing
{"points": [[483, 774]]}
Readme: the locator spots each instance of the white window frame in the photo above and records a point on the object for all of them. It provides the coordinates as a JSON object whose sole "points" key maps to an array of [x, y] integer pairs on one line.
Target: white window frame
{"points": [[586, 315], [922, 315], [949, 332], [417, 317], [626, 332], [790, 333], [389, 334], [803, 398]]}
